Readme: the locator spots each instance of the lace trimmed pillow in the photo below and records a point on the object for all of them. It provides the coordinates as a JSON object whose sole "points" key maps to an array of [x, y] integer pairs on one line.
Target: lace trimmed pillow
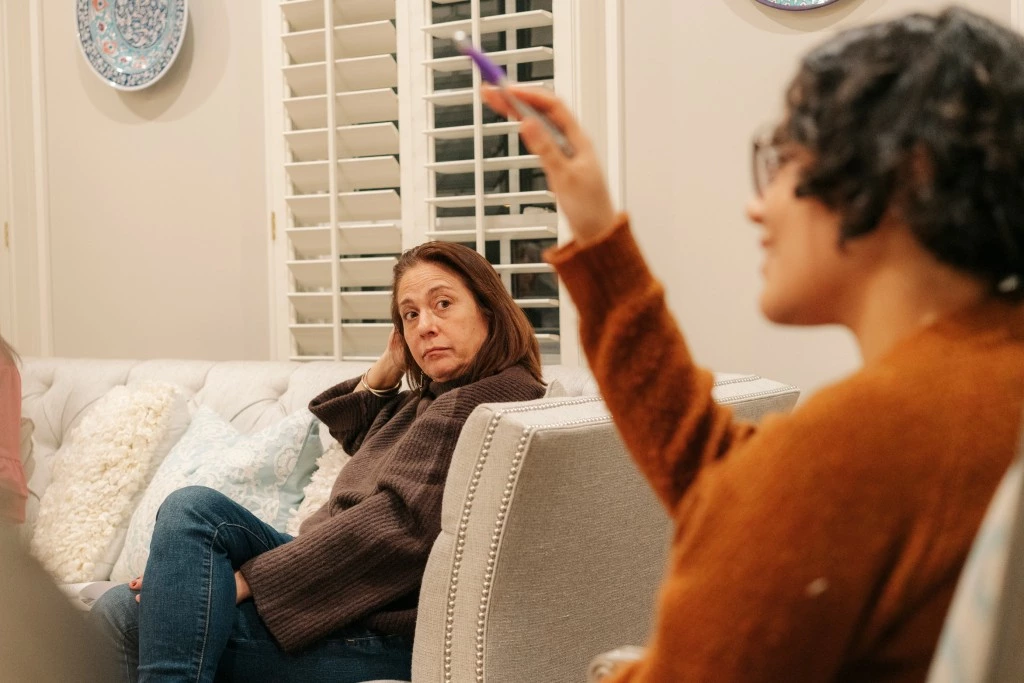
{"points": [[265, 471], [99, 476]]}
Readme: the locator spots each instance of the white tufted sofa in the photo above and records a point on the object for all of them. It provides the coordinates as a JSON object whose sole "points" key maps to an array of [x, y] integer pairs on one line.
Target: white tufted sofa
{"points": [[551, 545]]}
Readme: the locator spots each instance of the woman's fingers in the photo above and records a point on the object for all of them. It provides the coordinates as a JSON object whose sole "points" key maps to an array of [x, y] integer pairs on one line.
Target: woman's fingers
{"points": [[497, 101], [539, 141], [549, 104], [535, 136], [577, 180], [396, 349], [136, 583], [543, 102]]}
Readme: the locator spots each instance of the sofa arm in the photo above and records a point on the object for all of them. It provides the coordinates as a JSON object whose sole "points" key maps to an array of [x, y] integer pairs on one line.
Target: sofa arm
{"points": [[607, 663]]}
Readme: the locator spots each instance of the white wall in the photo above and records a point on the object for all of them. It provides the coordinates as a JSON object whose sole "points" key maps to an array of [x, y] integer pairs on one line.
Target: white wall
{"points": [[25, 329], [156, 199], [699, 78]]}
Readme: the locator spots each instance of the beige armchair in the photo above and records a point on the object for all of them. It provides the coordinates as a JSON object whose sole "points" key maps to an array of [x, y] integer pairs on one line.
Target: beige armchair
{"points": [[552, 544]]}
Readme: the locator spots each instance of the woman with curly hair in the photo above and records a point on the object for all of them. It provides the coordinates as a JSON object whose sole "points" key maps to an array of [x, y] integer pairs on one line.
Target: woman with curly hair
{"points": [[825, 545]]}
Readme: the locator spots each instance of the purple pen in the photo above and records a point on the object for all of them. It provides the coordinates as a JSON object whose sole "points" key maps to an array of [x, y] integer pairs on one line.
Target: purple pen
{"points": [[495, 75]]}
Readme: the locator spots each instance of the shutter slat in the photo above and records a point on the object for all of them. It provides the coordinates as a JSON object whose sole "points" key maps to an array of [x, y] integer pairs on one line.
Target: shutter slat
{"points": [[495, 199], [503, 58], [363, 40], [493, 24], [492, 164]]}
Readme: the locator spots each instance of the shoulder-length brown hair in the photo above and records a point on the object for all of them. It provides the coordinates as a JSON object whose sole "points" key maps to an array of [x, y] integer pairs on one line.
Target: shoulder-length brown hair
{"points": [[510, 341]]}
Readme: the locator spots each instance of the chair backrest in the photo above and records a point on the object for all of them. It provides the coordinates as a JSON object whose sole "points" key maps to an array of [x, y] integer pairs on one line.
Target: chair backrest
{"points": [[552, 544], [983, 635], [525, 581]]}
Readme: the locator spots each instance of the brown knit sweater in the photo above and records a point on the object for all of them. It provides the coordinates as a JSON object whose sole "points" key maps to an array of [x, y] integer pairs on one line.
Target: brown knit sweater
{"points": [[824, 545], [360, 558]]}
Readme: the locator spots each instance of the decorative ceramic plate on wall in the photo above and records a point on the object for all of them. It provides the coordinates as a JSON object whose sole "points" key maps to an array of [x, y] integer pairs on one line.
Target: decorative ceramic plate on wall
{"points": [[131, 43], [796, 4]]}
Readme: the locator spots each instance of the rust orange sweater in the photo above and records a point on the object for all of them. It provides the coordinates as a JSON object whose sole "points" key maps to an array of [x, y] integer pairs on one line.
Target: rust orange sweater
{"points": [[819, 546]]}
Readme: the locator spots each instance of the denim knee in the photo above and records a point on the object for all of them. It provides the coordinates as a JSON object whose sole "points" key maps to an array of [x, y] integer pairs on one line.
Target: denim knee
{"points": [[116, 614], [185, 503]]}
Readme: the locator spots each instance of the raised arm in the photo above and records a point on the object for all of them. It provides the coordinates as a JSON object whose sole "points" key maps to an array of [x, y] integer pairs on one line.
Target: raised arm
{"points": [[350, 408], [660, 400]]}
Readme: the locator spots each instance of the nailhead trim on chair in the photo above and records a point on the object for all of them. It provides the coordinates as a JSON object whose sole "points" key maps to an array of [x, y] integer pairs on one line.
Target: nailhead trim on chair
{"points": [[736, 380], [499, 525], [467, 507]]}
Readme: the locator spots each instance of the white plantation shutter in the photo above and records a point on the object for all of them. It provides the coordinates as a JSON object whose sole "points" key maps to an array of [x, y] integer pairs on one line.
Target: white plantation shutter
{"points": [[386, 144], [343, 213], [482, 188]]}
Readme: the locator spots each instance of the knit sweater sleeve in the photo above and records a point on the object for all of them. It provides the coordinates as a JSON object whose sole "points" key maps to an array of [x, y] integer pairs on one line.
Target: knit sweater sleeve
{"points": [[363, 557], [349, 414], [660, 400]]}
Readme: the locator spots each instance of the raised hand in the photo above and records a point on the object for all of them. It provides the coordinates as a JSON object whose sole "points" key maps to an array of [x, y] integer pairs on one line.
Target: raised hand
{"points": [[577, 181], [389, 368]]}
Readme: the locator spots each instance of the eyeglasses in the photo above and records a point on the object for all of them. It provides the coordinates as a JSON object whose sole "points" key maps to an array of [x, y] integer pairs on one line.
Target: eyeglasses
{"points": [[767, 159]]}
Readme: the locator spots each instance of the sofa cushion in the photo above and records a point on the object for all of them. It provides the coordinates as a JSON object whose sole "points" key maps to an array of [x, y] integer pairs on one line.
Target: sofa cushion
{"points": [[99, 475], [266, 472]]}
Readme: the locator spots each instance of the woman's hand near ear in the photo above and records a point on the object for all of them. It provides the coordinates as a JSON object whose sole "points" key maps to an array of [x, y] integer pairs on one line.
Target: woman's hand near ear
{"points": [[388, 370], [577, 181]]}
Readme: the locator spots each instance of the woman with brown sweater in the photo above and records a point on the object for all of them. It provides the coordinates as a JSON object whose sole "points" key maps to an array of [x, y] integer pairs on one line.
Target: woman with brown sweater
{"points": [[227, 596], [825, 545]]}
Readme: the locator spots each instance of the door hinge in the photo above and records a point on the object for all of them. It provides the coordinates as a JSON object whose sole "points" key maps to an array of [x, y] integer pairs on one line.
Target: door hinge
{"points": [[273, 226]]}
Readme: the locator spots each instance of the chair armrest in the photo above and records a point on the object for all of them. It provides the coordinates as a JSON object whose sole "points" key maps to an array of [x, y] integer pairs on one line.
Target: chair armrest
{"points": [[607, 663]]}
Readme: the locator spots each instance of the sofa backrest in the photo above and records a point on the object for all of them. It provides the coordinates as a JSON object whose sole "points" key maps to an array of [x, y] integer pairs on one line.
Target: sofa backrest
{"points": [[57, 392]]}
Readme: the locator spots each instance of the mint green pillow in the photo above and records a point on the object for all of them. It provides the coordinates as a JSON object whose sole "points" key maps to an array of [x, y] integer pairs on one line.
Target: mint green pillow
{"points": [[265, 471]]}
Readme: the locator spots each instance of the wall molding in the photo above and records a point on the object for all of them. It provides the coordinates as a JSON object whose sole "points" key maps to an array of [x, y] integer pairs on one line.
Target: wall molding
{"points": [[276, 237], [42, 179], [615, 103], [9, 294]]}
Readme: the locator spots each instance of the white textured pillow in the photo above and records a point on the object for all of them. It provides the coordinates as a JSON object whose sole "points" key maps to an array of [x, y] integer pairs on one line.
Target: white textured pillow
{"points": [[265, 471], [328, 467], [99, 476]]}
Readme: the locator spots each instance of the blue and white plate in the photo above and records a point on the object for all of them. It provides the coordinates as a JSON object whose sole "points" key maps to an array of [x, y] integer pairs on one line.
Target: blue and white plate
{"points": [[796, 4], [131, 43]]}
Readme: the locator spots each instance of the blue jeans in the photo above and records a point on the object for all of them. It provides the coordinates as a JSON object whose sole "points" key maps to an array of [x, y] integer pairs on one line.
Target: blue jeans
{"points": [[188, 627]]}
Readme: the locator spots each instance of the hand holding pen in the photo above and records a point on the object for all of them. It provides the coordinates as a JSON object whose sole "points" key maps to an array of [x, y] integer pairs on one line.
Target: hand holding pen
{"points": [[549, 130], [495, 75]]}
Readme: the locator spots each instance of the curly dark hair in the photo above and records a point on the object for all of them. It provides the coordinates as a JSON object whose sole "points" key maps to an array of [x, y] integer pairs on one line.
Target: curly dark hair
{"points": [[924, 116]]}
